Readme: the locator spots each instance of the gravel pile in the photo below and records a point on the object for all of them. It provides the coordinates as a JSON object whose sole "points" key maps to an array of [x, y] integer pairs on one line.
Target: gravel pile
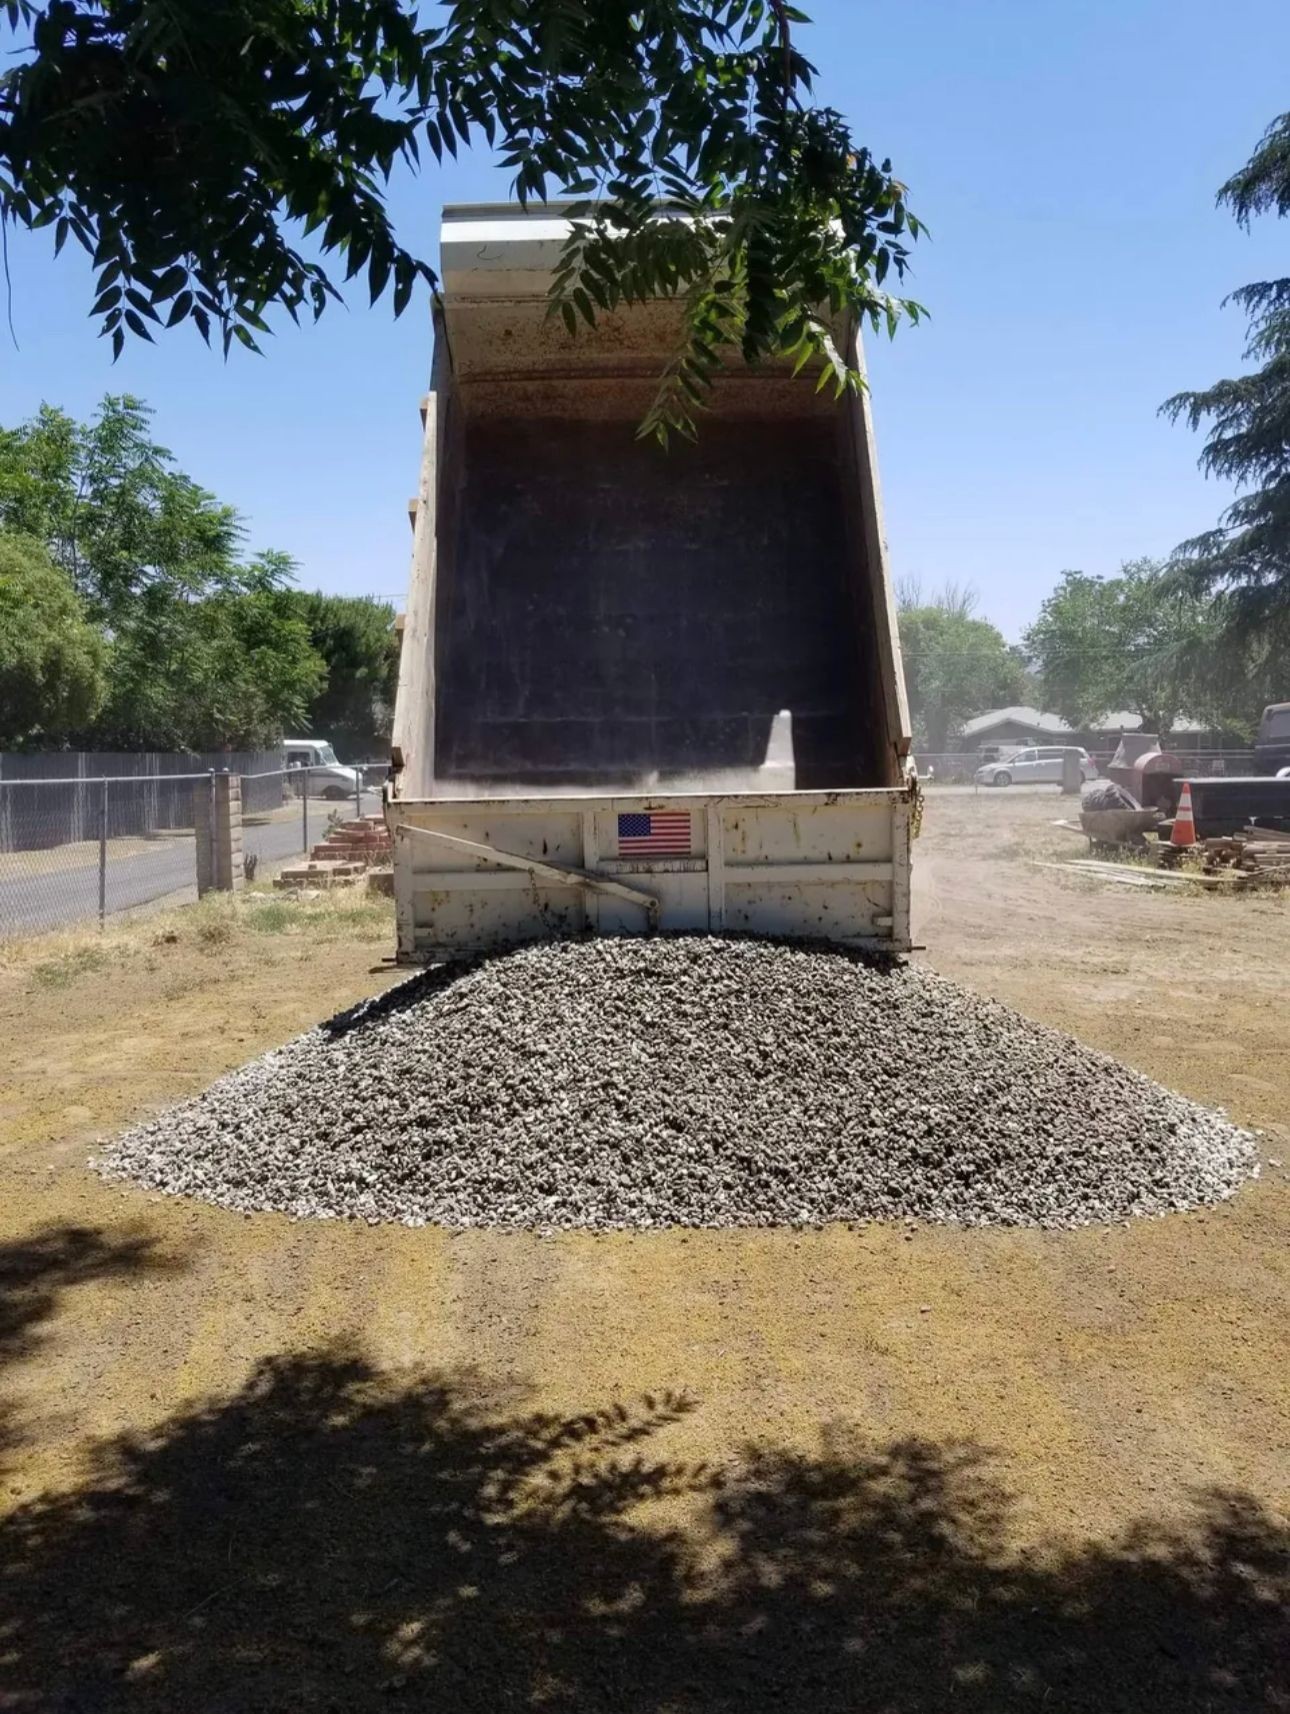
{"points": [[688, 1082]]}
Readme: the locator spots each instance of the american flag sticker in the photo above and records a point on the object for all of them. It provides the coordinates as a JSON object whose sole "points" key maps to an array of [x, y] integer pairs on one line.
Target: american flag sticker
{"points": [[654, 833]]}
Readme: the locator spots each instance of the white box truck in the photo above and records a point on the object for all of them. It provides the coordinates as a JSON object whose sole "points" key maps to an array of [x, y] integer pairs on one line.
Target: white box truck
{"points": [[639, 689]]}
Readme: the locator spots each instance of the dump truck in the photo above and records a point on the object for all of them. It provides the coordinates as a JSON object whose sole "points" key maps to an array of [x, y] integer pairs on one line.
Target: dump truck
{"points": [[640, 689]]}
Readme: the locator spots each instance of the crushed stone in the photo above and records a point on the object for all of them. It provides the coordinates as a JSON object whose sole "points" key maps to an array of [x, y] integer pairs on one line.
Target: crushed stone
{"points": [[687, 1081]]}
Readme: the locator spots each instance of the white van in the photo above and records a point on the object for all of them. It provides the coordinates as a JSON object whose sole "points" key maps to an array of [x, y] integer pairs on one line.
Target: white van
{"points": [[327, 776], [1029, 766]]}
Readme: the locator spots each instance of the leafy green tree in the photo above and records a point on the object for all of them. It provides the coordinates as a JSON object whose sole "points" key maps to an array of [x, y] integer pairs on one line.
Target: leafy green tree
{"points": [[1137, 642], [188, 147], [1245, 560], [116, 514], [232, 671], [1074, 648], [955, 665], [356, 639], [202, 648], [1231, 676], [51, 658]]}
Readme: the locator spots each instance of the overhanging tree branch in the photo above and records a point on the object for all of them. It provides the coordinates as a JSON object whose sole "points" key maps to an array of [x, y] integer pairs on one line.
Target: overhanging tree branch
{"points": [[220, 161]]}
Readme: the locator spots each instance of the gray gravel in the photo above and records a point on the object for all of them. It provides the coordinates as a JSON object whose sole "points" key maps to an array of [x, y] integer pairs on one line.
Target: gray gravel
{"points": [[688, 1082]]}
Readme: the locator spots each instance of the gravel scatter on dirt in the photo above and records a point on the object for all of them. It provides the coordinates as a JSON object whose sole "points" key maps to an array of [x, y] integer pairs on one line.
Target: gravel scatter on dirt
{"points": [[687, 1082]]}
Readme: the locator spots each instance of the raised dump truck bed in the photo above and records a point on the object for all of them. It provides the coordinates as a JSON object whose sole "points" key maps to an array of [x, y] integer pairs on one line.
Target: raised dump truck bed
{"points": [[638, 688]]}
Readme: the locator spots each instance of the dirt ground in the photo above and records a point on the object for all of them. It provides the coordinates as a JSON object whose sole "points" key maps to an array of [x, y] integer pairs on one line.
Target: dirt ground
{"points": [[247, 1464]]}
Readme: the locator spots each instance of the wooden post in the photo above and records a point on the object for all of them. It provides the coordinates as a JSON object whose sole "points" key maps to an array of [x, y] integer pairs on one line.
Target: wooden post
{"points": [[217, 819]]}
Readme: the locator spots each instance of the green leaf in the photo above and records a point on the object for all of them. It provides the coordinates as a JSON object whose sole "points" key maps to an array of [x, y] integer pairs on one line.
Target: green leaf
{"points": [[378, 273], [172, 281], [140, 303], [404, 279]]}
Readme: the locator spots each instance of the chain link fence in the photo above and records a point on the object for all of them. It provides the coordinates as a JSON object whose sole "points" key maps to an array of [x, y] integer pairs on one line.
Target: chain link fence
{"points": [[286, 812], [958, 767], [79, 849], [76, 848]]}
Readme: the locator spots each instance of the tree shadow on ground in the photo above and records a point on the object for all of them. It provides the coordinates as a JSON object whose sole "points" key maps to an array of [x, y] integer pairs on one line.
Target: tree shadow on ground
{"points": [[38, 1269], [332, 1538]]}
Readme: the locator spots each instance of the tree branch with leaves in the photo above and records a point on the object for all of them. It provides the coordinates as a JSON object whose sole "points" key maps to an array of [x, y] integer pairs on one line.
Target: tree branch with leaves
{"points": [[220, 161]]}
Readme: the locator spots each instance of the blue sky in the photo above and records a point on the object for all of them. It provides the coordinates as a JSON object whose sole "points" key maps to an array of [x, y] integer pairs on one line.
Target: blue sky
{"points": [[1065, 157]]}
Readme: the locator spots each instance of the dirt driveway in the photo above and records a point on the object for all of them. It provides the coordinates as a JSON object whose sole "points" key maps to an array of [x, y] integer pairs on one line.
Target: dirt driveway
{"points": [[252, 1465]]}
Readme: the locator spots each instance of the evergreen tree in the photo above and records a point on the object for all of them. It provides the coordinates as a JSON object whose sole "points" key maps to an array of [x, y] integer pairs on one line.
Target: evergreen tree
{"points": [[1245, 560]]}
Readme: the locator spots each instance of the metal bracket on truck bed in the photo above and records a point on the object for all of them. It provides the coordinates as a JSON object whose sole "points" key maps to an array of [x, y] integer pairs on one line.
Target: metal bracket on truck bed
{"points": [[557, 872]]}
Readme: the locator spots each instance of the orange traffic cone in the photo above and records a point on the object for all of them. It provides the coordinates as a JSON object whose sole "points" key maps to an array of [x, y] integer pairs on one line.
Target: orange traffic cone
{"points": [[1184, 832]]}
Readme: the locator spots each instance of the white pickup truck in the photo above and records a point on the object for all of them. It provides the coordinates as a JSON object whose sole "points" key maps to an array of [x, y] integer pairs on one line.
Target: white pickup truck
{"points": [[327, 776]]}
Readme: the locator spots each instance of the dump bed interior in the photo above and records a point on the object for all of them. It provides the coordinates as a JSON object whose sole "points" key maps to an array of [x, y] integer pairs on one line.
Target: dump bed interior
{"points": [[590, 612], [612, 613]]}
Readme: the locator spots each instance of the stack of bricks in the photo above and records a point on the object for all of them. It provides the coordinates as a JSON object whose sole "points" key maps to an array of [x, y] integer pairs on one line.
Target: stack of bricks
{"points": [[364, 842], [346, 853]]}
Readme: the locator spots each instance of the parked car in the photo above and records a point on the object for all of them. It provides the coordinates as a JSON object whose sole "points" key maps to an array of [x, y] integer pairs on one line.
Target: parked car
{"points": [[1030, 766], [1272, 746], [328, 777]]}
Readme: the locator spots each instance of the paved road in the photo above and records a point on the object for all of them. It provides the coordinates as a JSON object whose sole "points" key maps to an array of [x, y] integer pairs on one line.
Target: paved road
{"points": [[33, 902]]}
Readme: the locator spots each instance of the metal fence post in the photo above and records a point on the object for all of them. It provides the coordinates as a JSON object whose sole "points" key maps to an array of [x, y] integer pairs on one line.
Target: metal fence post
{"points": [[214, 834], [304, 799], [103, 839], [358, 793]]}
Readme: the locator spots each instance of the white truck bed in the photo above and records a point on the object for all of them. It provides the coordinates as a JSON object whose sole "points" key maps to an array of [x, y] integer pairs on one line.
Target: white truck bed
{"points": [[598, 629], [830, 865]]}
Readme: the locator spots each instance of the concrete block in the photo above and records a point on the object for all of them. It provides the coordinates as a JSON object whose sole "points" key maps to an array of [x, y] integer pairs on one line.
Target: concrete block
{"points": [[217, 821]]}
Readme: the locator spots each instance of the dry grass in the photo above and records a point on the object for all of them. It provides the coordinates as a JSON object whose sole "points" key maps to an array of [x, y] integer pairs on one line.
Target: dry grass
{"points": [[200, 1486], [217, 923], [57, 972]]}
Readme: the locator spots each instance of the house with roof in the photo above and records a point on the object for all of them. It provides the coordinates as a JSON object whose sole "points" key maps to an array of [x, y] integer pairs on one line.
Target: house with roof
{"points": [[1022, 726]]}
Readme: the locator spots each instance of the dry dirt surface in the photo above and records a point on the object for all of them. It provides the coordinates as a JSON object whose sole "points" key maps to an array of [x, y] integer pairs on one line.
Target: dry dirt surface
{"points": [[251, 1465]]}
